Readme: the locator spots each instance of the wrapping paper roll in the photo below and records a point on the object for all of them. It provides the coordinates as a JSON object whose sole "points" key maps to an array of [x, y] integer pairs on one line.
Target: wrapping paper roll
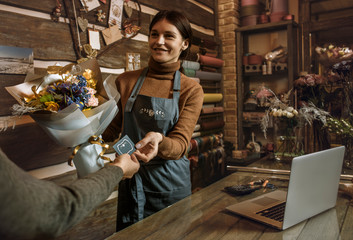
{"points": [[194, 146], [209, 105], [194, 49], [249, 10], [211, 54], [279, 6], [212, 97], [192, 57], [209, 75], [212, 125], [211, 161], [191, 65], [196, 134], [204, 51], [197, 127], [189, 72], [195, 79], [207, 110], [211, 131], [209, 44], [249, 20], [194, 160], [218, 109], [211, 61], [249, 2], [201, 144], [208, 69]]}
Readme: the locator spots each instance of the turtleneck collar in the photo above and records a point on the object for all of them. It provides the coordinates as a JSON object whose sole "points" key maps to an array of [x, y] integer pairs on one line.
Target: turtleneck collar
{"points": [[162, 70]]}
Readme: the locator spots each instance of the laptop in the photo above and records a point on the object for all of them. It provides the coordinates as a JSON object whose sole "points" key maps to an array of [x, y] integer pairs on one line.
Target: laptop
{"points": [[313, 188]]}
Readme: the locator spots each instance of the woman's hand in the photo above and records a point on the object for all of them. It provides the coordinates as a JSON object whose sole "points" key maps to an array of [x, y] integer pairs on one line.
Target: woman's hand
{"points": [[147, 148], [129, 164]]}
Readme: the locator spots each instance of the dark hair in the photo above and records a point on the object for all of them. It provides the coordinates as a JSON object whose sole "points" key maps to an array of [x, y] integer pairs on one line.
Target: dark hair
{"points": [[180, 22]]}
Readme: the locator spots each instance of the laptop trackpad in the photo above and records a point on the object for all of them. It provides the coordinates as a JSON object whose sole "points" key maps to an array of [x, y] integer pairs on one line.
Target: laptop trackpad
{"points": [[265, 201]]}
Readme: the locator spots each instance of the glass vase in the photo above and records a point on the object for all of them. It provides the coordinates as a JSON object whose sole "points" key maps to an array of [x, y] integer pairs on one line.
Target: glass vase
{"points": [[288, 147], [348, 156]]}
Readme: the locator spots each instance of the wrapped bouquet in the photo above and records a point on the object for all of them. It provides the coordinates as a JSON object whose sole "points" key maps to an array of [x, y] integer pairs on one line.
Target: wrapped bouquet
{"points": [[74, 106], [331, 54]]}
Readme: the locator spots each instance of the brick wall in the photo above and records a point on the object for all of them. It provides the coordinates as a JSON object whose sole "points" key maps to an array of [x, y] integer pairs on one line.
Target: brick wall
{"points": [[228, 20]]}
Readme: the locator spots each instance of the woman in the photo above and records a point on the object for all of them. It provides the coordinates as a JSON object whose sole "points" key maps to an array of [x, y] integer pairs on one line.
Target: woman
{"points": [[159, 108]]}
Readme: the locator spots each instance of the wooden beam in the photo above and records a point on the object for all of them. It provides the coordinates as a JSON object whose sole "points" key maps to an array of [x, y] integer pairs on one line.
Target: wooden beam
{"points": [[324, 7], [330, 24]]}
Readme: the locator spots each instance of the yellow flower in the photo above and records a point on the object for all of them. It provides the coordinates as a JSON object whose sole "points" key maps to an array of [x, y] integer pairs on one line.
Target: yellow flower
{"points": [[91, 82], [52, 106], [87, 74]]}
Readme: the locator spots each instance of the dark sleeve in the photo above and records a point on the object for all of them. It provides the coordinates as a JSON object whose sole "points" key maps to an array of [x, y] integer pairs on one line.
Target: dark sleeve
{"points": [[33, 208], [114, 129]]}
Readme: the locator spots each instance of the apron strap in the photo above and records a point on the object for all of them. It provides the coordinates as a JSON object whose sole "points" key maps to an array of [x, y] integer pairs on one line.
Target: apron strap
{"points": [[176, 86], [130, 102]]}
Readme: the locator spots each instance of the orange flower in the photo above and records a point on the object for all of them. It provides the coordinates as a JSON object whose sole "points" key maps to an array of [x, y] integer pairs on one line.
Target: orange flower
{"points": [[52, 106]]}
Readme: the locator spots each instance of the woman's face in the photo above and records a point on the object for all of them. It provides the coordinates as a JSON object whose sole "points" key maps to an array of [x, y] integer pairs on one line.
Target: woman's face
{"points": [[166, 42]]}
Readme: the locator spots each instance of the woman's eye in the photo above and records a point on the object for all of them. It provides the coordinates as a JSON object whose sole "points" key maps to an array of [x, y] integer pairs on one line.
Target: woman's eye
{"points": [[169, 36], [154, 34]]}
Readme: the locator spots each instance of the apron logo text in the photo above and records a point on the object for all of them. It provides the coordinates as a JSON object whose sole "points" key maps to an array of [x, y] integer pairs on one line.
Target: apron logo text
{"points": [[151, 112]]}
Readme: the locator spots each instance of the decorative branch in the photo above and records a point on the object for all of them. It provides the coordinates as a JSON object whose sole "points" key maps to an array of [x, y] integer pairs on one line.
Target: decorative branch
{"points": [[73, 29]]}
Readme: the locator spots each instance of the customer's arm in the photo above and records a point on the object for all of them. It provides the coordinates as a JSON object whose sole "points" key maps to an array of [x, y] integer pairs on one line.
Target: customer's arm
{"points": [[33, 208]]}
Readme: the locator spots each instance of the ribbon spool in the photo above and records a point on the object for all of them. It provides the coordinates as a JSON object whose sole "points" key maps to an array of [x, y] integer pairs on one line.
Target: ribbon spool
{"points": [[249, 10], [92, 140]]}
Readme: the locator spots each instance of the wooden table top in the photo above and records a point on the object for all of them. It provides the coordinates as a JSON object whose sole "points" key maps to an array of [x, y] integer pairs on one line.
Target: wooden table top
{"points": [[203, 216]]}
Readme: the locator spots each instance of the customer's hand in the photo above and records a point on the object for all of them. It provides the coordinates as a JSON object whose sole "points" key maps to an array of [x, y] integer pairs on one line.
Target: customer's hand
{"points": [[147, 148], [129, 164]]}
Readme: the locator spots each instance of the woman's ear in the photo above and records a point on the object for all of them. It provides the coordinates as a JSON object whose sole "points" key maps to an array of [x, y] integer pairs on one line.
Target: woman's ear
{"points": [[185, 44]]}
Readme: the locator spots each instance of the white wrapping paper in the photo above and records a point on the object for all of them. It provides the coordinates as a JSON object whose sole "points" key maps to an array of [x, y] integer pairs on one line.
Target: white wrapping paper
{"points": [[72, 127]]}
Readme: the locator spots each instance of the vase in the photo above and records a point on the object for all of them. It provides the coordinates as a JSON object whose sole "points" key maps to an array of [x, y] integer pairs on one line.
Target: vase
{"points": [[287, 147], [348, 155]]}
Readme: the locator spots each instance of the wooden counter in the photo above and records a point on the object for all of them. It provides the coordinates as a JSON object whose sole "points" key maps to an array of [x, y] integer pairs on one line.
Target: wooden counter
{"points": [[203, 216]]}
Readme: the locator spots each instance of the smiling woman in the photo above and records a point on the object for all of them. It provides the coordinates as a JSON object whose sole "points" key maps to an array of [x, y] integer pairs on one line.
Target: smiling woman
{"points": [[173, 103], [167, 41]]}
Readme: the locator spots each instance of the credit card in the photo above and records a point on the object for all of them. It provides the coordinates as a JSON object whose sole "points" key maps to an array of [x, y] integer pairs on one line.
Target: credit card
{"points": [[124, 145]]}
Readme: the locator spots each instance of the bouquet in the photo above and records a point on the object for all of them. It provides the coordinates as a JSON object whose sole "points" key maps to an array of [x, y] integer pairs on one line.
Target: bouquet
{"points": [[331, 54], [281, 110], [74, 106], [311, 88]]}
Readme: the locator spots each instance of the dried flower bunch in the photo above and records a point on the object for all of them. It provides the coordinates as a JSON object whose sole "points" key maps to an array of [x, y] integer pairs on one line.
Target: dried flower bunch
{"points": [[340, 127], [310, 88], [282, 111], [288, 112], [309, 80], [331, 54], [69, 89], [279, 109]]}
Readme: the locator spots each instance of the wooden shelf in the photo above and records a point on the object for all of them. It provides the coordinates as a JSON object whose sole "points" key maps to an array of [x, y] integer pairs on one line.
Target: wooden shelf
{"points": [[265, 27], [281, 80]]}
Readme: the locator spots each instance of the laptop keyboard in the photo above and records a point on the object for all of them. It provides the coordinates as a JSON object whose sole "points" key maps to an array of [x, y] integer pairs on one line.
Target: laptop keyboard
{"points": [[275, 212]]}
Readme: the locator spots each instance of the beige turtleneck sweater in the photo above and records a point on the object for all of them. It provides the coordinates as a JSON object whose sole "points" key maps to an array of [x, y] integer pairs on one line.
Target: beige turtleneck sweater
{"points": [[160, 76]]}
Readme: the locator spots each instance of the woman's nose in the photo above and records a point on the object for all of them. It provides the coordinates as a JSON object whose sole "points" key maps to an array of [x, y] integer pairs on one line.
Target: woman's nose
{"points": [[160, 40]]}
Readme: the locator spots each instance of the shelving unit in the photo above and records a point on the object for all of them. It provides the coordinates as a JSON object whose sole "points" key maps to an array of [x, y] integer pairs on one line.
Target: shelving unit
{"points": [[261, 39], [207, 160]]}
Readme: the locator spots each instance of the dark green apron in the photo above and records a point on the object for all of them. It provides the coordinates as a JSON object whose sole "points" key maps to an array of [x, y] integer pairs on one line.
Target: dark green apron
{"points": [[159, 183]]}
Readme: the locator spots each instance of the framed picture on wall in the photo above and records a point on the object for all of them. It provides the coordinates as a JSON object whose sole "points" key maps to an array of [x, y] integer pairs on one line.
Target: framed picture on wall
{"points": [[15, 60], [90, 4], [132, 61]]}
